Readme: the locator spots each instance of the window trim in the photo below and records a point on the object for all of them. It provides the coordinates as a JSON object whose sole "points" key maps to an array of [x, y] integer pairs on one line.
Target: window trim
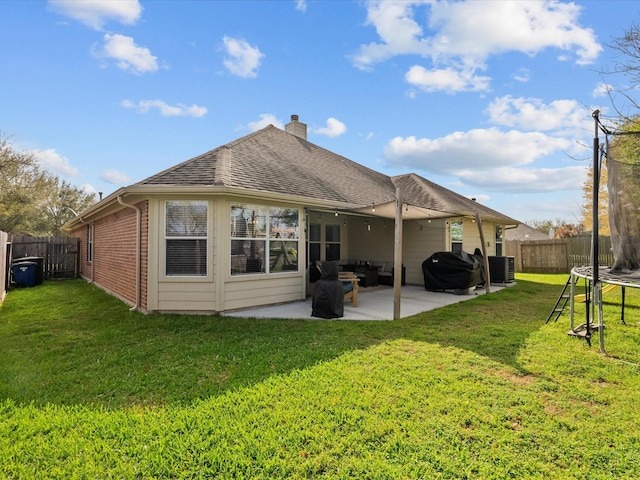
{"points": [[264, 237], [90, 242], [453, 242], [206, 238]]}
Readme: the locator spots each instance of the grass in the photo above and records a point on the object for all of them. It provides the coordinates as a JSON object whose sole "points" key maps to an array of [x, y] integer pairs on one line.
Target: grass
{"points": [[478, 389]]}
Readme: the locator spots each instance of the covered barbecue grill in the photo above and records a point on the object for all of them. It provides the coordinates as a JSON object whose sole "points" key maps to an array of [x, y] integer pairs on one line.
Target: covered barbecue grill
{"points": [[457, 271]]}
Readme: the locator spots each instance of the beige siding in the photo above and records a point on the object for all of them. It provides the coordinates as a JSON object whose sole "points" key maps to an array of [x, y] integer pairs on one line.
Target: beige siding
{"points": [[218, 291], [186, 297], [471, 236], [188, 294], [256, 290], [374, 245], [420, 240]]}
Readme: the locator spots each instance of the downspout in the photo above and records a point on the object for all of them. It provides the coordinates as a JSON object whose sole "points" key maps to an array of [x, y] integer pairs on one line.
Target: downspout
{"points": [[138, 219]]}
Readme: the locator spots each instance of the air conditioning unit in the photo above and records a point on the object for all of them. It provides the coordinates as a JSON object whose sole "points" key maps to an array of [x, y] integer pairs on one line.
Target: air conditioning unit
{"points": [[502, 269]]}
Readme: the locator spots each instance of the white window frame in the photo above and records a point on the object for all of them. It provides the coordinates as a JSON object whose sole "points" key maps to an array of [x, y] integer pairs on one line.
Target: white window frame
{"points": [[90, 235], [454, 234], [194, 227], [258, 236]]}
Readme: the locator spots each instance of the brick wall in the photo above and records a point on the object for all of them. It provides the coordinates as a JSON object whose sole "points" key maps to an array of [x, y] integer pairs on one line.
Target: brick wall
{"points": [[114, 253]]}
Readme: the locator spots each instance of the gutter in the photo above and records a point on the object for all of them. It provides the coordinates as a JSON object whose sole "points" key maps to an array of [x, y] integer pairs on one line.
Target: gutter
{"points": [[138, 242]]}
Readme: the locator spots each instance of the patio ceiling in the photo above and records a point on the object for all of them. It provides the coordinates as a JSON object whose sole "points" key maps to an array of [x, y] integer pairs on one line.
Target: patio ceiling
{"points": [[409, 212]]}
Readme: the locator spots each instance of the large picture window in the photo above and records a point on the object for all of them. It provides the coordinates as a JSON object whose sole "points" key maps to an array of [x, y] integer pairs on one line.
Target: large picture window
{"points": [[264, 239], [186, 238]]}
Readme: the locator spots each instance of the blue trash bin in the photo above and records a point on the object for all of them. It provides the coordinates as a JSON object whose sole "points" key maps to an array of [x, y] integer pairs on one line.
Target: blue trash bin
{"points": [[39, 261], [24, 274]]}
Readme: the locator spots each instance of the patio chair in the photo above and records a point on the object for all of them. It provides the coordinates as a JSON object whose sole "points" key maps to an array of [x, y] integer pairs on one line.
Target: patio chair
{"points": [[350, 286]]}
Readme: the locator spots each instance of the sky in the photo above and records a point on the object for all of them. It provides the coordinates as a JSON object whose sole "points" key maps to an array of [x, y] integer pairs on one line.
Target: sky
{"points": [[491, 99]]}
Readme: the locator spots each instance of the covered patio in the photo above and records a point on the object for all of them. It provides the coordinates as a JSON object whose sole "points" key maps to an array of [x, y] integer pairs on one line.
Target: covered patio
{"points": [[375, 303]]}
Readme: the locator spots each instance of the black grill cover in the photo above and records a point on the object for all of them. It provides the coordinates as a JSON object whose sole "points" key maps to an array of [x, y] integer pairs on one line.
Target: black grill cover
{"points": [[452, 271], [328, 296]]}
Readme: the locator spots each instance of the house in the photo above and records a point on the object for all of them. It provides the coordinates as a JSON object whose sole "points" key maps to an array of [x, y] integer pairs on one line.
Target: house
{"points": [[238, 226], [524, 233]]}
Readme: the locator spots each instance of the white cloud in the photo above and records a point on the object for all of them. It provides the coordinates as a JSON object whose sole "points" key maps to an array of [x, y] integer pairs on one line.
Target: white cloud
{"points": [[166, 110], [447, 79], [466, 34], [334, 128], [602, 90], [88, 188], [489, 159], [96, 13], [241, 58], [301, 5], [399, 32], [477, 149], [115, 177], [53, 162], [516, 160], [565, 117], [523, 75], [265, 119], [128, 56], [523, 180], [479, 29]]}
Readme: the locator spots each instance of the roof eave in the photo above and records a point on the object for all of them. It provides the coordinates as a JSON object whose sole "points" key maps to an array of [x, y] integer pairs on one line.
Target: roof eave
{"points": [[147, 190]]}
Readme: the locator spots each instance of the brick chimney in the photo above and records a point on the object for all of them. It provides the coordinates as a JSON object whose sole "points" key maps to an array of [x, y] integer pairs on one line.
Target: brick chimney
{"points": [[296, 128]]}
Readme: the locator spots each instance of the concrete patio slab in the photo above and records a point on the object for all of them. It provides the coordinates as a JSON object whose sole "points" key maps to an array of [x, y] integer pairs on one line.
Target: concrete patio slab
{"points": [[373, 304]]}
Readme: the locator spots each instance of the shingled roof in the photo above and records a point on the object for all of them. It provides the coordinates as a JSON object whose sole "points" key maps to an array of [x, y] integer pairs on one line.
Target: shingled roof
{"points": [[440, 202], [272, 160]]}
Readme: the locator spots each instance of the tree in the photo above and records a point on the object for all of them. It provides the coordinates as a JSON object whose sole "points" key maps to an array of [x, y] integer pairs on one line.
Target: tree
{"points": [[32, 200], [561, 228], [623, 160], [603, 201]]}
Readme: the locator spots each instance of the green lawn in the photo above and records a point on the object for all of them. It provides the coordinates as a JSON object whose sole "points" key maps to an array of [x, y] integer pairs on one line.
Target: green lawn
{"points": [[478, 389]]}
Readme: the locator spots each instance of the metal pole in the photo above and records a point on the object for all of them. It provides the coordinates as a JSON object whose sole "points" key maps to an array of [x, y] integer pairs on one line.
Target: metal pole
{"points": [[397, 257], [594, 231]]}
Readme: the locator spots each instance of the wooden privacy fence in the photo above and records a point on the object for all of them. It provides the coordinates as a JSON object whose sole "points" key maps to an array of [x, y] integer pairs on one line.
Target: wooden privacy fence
{"points": [[61, 256], [558, 255]]}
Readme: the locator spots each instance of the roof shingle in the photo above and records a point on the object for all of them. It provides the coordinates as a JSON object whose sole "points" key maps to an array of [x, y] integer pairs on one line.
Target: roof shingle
{"points": [[272, 160]]}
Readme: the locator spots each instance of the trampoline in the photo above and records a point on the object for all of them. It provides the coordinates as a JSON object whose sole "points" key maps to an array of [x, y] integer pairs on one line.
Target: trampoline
{"points": [[594, 321]]}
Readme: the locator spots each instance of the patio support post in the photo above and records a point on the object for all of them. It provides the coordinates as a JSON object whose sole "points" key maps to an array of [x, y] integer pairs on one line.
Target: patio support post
{"points": [[397, 257], [487, 273]]}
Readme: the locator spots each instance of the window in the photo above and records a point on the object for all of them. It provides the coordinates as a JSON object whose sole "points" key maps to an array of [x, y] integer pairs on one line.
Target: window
{"points": [[498, 240], [456, 235], [90, 243], [315, 240], [332, 239], [186, 238], [264, 239]]}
